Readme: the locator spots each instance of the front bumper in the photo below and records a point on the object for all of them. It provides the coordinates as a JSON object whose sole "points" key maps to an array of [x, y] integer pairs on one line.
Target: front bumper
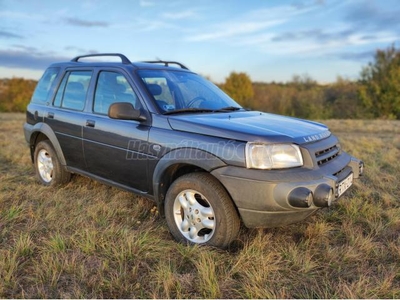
{"points": [[272, 198]]}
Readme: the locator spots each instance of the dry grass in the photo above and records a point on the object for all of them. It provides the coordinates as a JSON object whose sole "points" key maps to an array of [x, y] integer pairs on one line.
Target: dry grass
{"points": [[88, 240]]}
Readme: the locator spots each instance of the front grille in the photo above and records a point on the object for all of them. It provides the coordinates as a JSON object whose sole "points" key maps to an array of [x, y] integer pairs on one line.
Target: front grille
{"points": [[327, 155], [337, 174]]}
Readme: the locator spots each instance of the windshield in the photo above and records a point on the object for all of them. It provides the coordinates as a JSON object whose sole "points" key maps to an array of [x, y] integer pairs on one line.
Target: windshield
{"points": [[176, 91]]}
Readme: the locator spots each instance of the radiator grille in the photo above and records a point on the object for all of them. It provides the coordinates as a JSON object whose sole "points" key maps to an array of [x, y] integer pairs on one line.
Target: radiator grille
{"points": [[327, 155]]}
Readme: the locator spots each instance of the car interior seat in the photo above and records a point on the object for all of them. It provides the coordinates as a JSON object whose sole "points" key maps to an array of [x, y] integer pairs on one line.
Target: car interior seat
{"points": [[156, 90]]}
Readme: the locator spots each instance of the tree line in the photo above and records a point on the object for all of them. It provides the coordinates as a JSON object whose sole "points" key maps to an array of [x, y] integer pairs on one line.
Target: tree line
{"points": [[376, 94], [15, 94]]}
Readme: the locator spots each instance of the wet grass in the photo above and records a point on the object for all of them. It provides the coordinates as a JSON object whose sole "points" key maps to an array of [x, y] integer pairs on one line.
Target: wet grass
{"points": [[88, 240]]}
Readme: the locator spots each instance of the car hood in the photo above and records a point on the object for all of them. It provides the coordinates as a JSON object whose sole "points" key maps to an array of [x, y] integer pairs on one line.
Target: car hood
{"points": [[251, 126]]}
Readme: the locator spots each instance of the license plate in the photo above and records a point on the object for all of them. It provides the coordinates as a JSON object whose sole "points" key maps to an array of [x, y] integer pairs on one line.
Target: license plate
{"points": [[345, 184]]}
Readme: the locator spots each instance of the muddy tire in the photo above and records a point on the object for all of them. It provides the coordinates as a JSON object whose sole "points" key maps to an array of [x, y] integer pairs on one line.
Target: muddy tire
{"points": [[198, 210], [47, 166]]}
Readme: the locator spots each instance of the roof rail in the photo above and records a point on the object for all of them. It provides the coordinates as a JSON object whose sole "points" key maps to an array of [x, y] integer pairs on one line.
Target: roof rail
{"points": [[167, 63], [123, 58]]}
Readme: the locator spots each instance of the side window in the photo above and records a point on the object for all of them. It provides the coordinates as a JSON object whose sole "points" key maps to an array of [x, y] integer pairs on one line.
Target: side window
{"points": [[73, 89], [112, 87], [43, 87]]}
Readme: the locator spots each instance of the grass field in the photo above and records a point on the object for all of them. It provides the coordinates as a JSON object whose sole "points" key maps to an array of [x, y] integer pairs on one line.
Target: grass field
{"points": [[88, 240]]}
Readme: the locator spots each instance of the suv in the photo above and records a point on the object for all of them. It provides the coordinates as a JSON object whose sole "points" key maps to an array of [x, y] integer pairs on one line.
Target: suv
{"points": [[166, 133]]}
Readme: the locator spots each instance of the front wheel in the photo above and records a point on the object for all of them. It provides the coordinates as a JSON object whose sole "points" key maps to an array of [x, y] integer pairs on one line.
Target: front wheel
{"points": [[47, 166], [198, 210]]}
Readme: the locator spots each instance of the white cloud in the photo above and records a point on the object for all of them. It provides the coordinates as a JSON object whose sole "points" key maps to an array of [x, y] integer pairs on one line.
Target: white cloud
{"points": [[295, 31], [251, 22], [146, 3], [21, 16], [179, 15], [233, 29], [311, 46]]}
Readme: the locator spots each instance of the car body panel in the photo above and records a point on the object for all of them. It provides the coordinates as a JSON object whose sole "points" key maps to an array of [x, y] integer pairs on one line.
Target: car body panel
{"points": [[117, 149], [250, 126]]}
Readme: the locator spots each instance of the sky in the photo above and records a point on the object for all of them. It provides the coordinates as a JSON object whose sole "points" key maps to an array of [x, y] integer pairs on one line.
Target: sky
{"points": [[269, 40]]}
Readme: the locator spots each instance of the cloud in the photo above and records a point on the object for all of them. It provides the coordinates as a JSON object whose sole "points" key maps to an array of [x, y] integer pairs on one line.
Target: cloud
{"points": [[366, 15], [318, 43], [84, 23], [306, 4], [357, 56], [179, 15], [10, 35], [233, 29], [252, 22], [80, 50], [145, 25], [14, 15], [361, 26], [314, 34], [25, 48], [28, 59], [295, 35], [146, 3]]}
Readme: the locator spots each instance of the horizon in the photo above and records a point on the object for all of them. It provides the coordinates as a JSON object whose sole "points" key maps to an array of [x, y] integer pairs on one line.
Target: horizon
{"points": [[269, 41]]}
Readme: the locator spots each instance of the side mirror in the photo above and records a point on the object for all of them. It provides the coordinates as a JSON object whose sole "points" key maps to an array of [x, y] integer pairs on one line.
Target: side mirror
{"points": [[124, 111]]}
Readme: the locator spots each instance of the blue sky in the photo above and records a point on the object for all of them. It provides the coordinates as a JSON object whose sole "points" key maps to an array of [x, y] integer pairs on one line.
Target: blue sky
{"points": [[269, 40]]}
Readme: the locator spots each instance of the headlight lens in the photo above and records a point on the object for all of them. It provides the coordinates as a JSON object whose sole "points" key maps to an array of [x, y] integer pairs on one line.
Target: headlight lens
{"points": [[273, 156]]}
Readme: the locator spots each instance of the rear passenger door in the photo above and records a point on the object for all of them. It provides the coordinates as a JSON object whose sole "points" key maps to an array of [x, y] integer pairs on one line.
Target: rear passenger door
{"points": [[66, 116], [115, 149]]}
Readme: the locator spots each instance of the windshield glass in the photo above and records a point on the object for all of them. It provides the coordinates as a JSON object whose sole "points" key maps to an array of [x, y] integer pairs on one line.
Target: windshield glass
{"points": [[183, 91]]}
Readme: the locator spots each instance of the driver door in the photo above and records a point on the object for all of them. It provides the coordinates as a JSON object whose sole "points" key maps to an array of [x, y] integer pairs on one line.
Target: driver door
{"points": [[116, 150]]}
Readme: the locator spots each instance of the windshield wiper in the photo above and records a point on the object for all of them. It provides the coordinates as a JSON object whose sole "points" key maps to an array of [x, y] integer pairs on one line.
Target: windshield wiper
{"points": [[188, 110], [202, 110], [228, 108]]}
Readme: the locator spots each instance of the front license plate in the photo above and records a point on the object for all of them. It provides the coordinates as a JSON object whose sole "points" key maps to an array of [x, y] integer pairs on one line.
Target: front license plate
{"points": [[345, 184]]}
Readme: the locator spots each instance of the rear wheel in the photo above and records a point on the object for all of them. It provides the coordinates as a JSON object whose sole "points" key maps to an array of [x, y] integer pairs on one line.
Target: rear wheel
{"points": [[47, 166], [198, 210]]}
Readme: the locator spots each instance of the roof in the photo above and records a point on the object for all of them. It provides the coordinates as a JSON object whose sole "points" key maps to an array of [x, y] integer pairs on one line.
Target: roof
{"points": [[157, 64]]}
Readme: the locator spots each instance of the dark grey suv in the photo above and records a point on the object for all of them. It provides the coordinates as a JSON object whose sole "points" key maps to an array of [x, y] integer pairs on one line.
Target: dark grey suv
{"points": [[161, 131]]}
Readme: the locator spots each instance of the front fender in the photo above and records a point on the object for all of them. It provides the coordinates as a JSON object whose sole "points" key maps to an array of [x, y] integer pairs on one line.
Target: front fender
{"points": [[175, 158]]}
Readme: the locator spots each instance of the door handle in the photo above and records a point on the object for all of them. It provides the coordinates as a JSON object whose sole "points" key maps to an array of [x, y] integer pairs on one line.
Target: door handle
{"points": [[50, 115], [90, 123]]}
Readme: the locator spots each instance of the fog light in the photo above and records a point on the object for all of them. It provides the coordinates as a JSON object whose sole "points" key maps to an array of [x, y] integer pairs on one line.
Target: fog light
{"points": [[300, 197], [361, 168], [323, 195]]}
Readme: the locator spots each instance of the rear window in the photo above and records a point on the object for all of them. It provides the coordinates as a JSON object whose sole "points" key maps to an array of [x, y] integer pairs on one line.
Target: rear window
{"points": [[44, 86]]}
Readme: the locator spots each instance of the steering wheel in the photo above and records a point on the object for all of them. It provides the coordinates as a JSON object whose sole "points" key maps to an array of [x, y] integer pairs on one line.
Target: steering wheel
{"points": [[194, 100]]}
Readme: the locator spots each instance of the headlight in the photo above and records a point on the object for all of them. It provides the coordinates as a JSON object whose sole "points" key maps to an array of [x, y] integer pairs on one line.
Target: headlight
{"points": [[273, 156]]}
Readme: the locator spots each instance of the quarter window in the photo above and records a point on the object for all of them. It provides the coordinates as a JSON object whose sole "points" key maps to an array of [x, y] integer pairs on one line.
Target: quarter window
{"points": [[43, 88]]}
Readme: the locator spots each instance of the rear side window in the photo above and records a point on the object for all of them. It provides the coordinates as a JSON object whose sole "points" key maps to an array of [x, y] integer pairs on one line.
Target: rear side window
{"points": [[43, 88], [73, 89]]}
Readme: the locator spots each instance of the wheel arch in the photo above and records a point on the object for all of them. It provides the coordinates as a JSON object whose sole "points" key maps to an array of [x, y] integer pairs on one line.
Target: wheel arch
{"points": [[177, 163], [42, 132]]}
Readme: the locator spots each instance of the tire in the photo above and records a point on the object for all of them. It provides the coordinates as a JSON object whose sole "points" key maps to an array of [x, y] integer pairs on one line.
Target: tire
{"points": [[47, 166], [198, 210]]}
